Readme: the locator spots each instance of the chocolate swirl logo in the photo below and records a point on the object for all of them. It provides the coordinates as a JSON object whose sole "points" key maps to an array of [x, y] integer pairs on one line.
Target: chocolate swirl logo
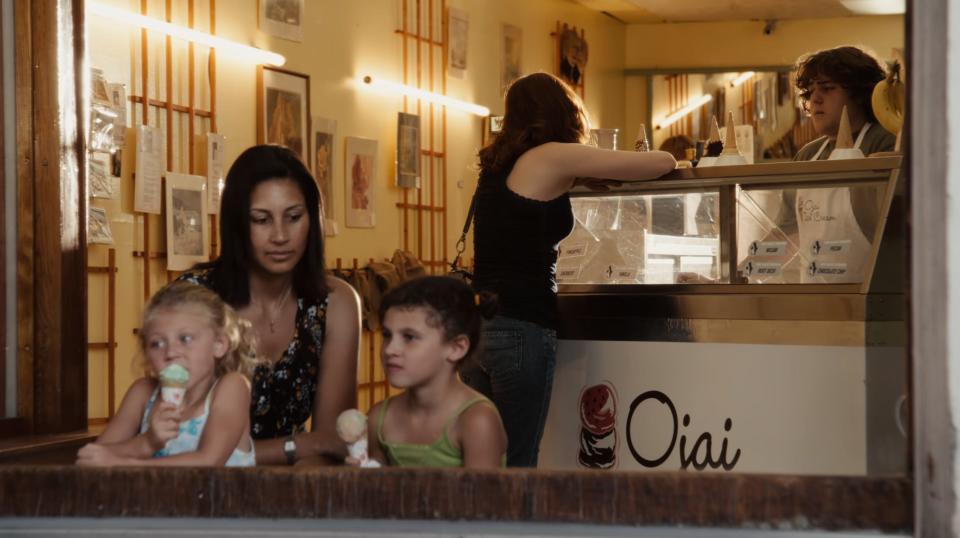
{"points": [[598, 432]]}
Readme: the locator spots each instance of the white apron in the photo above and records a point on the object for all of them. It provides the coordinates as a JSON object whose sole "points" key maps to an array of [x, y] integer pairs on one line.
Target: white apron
{"points": [[832, 247]]}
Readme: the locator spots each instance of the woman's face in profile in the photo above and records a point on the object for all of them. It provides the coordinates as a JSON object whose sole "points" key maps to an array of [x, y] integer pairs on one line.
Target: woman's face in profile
{"points": [[279, 225]]}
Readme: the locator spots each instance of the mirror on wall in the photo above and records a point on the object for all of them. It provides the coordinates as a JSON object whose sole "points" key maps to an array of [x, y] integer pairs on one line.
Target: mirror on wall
{"points": [[764, 98]]}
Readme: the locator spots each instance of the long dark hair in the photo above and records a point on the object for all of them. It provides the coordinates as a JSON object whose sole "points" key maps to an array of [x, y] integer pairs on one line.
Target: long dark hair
{"points": [[539, 108], [450, 303], [230, 273], [852, 68]]}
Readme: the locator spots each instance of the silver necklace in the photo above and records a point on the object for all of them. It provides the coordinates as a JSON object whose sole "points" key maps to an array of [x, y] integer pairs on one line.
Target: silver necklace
{"points": [[272, 316]]}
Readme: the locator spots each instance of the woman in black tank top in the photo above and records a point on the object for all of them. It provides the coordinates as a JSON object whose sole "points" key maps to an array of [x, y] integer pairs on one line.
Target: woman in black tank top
{"points": [[522, 213]]}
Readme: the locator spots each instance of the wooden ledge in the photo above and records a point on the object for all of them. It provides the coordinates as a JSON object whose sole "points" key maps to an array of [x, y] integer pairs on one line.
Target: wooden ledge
{"points": [[43, 449], [671, 499]]}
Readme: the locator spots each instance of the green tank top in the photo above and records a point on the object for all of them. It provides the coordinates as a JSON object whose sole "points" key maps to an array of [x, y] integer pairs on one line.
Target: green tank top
{"points": [[440, 453]]}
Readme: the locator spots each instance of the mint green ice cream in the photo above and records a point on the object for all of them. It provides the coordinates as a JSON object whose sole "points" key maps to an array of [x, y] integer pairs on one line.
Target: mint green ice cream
{"points": [[174, 375]]}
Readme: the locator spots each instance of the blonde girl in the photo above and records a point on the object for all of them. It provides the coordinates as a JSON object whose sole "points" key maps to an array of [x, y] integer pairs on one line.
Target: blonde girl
{"points": [[430, 326], [187, 325]]}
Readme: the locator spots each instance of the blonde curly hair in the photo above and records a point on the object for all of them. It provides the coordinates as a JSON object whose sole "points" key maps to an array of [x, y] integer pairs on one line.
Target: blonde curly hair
{"points": [[241, 355]]}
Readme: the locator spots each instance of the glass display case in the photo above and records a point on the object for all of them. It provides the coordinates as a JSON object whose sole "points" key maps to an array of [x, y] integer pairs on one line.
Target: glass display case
{"points": [[785, 223], [738, 306]]}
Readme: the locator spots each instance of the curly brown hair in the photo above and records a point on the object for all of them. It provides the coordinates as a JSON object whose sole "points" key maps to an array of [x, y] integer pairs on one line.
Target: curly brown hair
{"points": [[539, 108], [853, 68]]}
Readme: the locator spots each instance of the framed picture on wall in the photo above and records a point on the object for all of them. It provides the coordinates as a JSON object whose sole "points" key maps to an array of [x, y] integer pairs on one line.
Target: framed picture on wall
{"points": [[283, 109], [282, 18], [188, 231], [324, 134], [458, 26], [360, 169], [511, 54], [408, 150]]}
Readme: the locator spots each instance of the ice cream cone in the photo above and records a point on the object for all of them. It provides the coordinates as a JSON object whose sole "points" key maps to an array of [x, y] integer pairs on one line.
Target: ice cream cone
{"points": [[844, 138], [730, 141], [642, 143], [844, 148], [351, 425], [730, 156], [352, 429], [173, 384]]}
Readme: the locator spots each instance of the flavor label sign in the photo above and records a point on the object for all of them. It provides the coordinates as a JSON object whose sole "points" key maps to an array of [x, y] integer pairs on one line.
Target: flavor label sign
{"points": [[667, 406], [768, 248], [760, 269], [826, 269], [573, 250], [568, 274], [822, 248]]}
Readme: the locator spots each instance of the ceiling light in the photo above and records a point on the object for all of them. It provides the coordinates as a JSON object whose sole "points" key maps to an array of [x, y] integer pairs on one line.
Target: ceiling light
{"points": [[181, 32], [741, 78], [417, 93], [875, 7], [695, 104]]}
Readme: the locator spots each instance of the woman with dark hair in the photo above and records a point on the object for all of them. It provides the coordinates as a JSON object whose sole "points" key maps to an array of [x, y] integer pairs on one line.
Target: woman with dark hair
{"points": [[271, 271], [522, 213]]}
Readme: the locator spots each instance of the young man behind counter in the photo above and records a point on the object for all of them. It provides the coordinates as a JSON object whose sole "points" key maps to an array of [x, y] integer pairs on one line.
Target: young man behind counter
{"points": [[828, 81]]}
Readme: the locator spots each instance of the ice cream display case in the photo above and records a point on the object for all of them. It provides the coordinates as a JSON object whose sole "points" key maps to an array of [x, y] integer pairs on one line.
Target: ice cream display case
{"points": [[734, 319]]}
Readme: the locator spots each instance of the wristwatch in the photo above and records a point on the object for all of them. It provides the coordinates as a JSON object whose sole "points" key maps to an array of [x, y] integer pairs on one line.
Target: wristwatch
{"points": [[290, 449]]}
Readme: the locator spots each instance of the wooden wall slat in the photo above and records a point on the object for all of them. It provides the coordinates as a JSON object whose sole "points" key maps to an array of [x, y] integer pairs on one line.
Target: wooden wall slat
{"points": [[3, 255], [59, 177], [25, 255]]}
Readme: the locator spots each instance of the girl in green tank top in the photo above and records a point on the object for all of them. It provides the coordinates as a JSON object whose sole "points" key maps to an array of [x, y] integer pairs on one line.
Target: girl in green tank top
{"points": [[430, 326]]}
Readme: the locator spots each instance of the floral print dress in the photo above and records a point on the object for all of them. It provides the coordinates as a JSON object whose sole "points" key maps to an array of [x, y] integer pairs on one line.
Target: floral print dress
{"points": [[281, 394]]}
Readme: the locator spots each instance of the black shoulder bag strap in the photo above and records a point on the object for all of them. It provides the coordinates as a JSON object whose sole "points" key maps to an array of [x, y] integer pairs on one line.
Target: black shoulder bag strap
{"points": [[462, 242]]}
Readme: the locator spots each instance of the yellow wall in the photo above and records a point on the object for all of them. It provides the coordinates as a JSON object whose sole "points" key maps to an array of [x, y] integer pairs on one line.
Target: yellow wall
{"points": [[737, 44], [342, 39]]}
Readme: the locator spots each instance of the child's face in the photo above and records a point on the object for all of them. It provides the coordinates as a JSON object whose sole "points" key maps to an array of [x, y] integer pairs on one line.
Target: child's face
{"points": [[184, 336], [415, 352]]}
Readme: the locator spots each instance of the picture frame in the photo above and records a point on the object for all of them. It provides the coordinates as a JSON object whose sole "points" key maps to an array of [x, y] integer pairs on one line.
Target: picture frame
{"points": [[283, 109], [188, 229], [511, 55], [322, 165], [282, 18], [408, 151], [360, 171], [98, 227], [458, 28]]}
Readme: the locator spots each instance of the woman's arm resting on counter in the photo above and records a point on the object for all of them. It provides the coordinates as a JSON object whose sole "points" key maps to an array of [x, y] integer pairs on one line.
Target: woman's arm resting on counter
{"points": [[549, 170]]}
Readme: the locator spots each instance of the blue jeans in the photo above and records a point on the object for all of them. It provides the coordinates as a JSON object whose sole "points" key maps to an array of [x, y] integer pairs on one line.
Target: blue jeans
{"points": [[514, 368]]}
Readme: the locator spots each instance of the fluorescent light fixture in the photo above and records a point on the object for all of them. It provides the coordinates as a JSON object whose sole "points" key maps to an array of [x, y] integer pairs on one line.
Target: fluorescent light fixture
{"points": [[693, 105], [173, 30], [875, 7], [741, 78], [417, 93]]}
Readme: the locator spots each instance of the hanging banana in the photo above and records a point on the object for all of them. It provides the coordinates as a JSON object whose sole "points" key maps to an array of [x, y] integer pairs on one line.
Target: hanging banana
{"points": [[888, 101]]}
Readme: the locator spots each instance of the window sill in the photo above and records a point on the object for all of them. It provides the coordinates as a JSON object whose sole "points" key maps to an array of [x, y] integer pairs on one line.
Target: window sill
{"points": [[670, 499]]}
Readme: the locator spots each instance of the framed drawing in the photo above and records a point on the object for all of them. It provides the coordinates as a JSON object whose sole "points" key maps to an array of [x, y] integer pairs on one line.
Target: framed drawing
{"points": [[408, 151], [283, 109], [98, 228], [282, 18], [572, 55], [188, 231], [511, 54], [324, 134], [360, 169], [458, 26]]}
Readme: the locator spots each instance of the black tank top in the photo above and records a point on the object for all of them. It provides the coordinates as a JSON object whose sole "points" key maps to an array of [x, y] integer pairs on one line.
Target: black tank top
{"points": [[515, 245]]}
